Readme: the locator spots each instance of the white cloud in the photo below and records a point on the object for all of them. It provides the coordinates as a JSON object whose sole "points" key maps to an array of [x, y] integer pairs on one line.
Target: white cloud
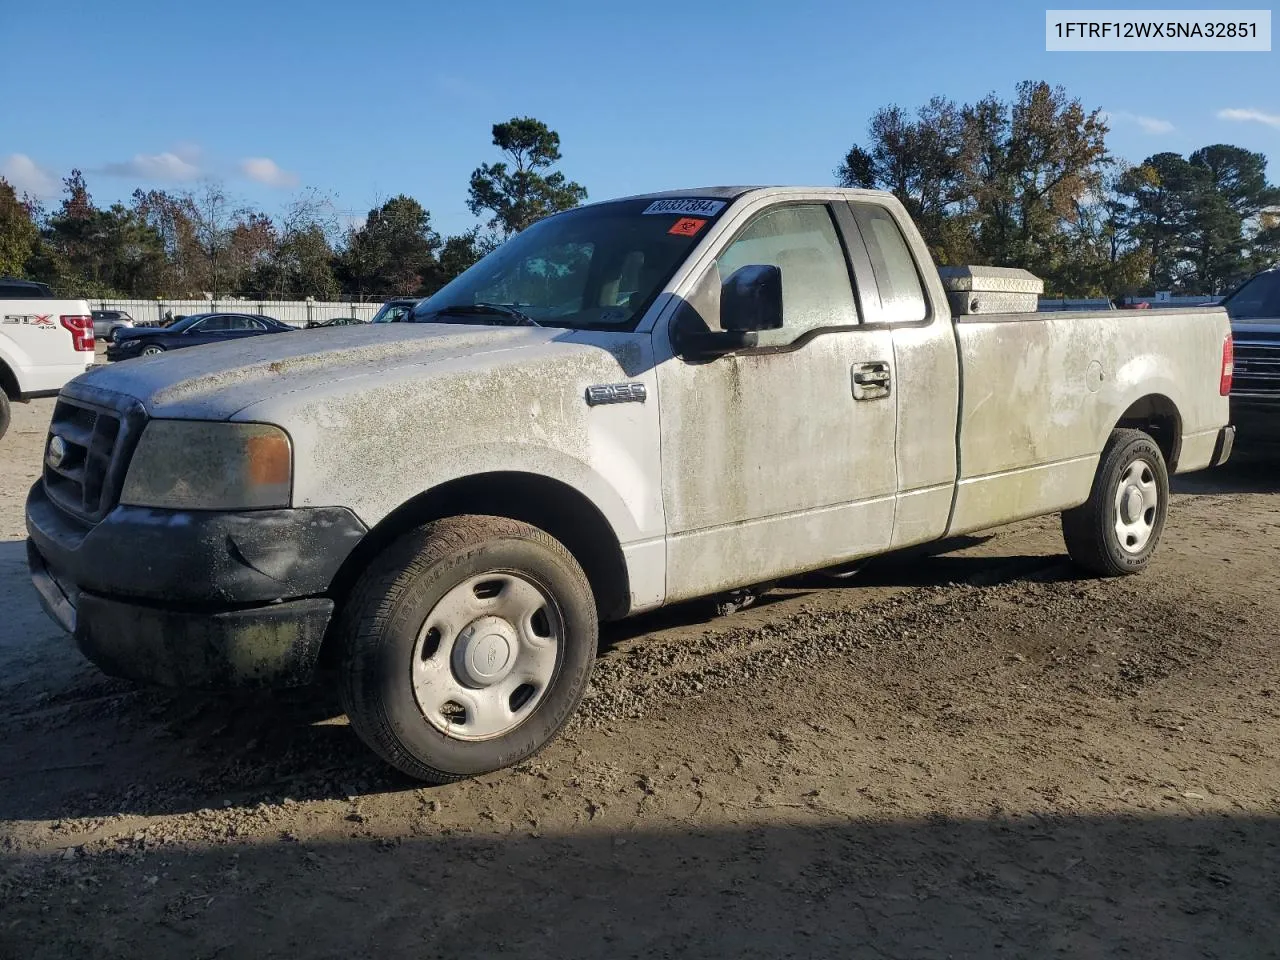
{"points": [[167, 166], [265, 170], [27, 176], [1152, 125], [1250, 115]]}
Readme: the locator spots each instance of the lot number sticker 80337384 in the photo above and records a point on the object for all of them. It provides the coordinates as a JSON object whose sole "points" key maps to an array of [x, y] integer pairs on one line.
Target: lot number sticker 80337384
{"points": [[686, 207]]}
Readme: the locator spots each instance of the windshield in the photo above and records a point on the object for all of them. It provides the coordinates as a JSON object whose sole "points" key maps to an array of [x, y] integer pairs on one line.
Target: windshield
{"points": [[392, 313], [1257, 301], [593, 268], [179, 325]]}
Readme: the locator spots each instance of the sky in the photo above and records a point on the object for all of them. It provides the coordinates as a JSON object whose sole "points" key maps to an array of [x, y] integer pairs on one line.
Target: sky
{"points": [[370, 99]]}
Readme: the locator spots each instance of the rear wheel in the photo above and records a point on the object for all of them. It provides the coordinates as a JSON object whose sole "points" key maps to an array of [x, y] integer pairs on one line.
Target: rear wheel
{"points": [[5, 414], [1116, 531], [467, 644]]}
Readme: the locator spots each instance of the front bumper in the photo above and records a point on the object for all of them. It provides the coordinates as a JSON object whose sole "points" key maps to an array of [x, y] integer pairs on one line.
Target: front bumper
{"points": [[192, 598], [114, 352]]}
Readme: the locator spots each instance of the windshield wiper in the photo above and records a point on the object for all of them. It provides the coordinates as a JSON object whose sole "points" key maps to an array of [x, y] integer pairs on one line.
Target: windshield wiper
{"points": [[489, 309]]}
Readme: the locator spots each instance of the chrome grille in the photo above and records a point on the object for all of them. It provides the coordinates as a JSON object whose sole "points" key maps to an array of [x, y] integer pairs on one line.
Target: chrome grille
{"points": [[87, 451], [1257, 366]]}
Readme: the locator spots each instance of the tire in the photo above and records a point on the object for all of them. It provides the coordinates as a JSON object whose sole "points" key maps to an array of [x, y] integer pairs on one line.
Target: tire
{"points": [[1117, 530], [5, 414], [449, 725], [151, 350]]}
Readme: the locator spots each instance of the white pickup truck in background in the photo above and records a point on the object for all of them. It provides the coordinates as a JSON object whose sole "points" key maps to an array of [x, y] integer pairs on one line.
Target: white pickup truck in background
{"points": [[628, 404], [43, 343]]}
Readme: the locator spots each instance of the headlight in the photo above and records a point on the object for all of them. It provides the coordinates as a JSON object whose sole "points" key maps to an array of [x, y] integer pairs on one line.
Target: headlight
{"points": [[190, 464], [128, 343]]}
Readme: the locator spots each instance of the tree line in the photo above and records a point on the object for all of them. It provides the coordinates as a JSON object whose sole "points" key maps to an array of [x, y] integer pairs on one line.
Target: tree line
{"points": [[200, 242], [1029, 182]]}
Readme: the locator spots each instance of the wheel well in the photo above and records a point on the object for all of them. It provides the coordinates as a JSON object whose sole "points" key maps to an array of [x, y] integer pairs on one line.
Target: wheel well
{"points": [[8, 382], [1155, 414], [548, 504]]}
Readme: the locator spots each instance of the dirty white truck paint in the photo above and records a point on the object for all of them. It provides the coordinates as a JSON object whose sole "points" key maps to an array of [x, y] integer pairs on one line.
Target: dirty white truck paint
{"points": [[741, 469]]}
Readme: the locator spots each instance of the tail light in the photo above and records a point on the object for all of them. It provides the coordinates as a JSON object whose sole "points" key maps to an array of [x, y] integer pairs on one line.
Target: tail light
{"points": [[81, 328], [1228, 366]]}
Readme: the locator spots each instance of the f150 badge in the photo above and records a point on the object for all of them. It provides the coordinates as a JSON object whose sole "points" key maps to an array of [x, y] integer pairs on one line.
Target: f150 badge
{"points": [[616, 393]]}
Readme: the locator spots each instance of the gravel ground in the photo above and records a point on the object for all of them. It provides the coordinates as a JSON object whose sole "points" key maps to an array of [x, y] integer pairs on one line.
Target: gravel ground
{"points": [[964, 753]]}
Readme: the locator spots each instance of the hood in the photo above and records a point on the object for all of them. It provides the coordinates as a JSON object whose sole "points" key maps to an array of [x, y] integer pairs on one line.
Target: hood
{"points": [[1255, 331], [214, 381]]}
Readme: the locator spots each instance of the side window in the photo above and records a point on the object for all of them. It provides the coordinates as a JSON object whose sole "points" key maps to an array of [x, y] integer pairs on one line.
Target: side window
{"points": [[801, 240], [216, 324], [902, 297]]}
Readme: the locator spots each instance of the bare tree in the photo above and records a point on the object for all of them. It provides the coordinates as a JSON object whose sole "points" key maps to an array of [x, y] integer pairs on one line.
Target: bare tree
{"points": [[214, 216]]}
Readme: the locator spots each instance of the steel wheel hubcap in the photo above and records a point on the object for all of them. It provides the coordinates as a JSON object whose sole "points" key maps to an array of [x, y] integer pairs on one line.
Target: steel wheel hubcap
{"points": [[486, 655], [1137, 500]]}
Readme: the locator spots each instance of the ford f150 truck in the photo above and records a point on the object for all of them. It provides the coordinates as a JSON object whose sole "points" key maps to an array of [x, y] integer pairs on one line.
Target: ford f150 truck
{"points": [[44, 342], [628, 404]]}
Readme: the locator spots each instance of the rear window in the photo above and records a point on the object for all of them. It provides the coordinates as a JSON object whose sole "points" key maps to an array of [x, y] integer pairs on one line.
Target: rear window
{"points": [[1258, 300]]}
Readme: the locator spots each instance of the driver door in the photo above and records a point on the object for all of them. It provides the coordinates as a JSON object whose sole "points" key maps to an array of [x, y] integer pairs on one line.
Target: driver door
{"points": [[209, 330], [780, 458]]}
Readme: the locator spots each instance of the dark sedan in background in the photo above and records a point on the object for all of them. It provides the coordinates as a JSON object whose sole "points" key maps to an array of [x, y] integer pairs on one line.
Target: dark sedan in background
{"points": [[334, 322], [192, 331]]}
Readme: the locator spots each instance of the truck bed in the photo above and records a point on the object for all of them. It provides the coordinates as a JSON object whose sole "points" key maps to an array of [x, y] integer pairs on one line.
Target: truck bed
{"points": [[1039, 392]]}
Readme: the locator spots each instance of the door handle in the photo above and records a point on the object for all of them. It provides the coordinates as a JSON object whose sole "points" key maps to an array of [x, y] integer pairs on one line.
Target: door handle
{"points": [[871, 380]]}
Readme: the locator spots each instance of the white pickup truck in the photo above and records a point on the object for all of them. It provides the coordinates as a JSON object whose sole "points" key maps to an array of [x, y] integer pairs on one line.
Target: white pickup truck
{"points": [[627, 405], [43, 343]]}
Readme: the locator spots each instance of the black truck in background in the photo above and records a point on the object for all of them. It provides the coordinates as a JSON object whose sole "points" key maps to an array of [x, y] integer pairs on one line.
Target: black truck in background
{"points": [[1254, 309]]}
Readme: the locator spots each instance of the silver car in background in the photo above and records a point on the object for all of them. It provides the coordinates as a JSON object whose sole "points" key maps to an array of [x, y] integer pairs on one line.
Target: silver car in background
{"points": [[107, 323]]}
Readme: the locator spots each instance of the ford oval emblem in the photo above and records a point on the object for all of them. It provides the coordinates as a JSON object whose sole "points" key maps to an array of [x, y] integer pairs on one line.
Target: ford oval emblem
{"points": [[57, 452]]}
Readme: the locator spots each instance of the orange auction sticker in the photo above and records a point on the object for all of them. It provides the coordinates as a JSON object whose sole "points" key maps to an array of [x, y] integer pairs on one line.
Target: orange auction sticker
{"points": [[687, 226]]}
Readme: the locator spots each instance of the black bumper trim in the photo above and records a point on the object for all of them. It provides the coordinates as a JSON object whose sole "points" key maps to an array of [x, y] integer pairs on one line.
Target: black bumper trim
{"points": [[183, 558], [270, 646]]}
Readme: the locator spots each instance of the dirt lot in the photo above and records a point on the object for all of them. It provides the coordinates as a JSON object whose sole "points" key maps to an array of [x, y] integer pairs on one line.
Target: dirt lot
{"points": [[966, 754]]}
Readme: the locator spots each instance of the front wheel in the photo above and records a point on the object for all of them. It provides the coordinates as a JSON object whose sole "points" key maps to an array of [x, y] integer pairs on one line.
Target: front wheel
{"points": [[467, 644], [1116, 530], [4, 414], [152, 350]]}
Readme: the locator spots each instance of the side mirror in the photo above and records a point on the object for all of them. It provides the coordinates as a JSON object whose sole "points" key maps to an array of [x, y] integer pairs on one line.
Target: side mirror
{"points": [[751, 299]]}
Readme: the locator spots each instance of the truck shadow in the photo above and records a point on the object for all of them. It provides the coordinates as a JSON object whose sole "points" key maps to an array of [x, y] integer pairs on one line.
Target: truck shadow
{"points": [[93, 746], [1145, 886], [1247, 474]]}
